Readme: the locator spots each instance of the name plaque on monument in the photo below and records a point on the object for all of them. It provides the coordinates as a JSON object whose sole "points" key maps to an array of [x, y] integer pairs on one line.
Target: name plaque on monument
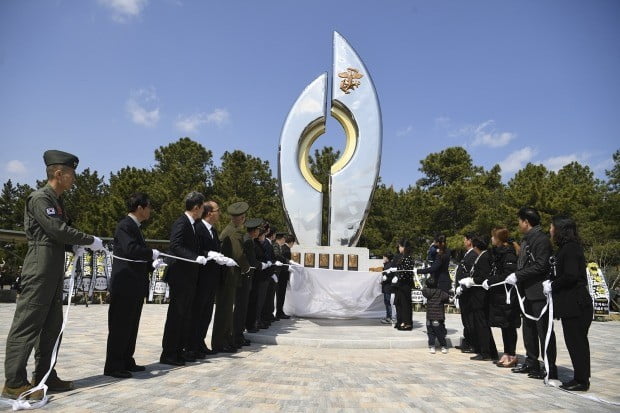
{"points": [[353, 177]]}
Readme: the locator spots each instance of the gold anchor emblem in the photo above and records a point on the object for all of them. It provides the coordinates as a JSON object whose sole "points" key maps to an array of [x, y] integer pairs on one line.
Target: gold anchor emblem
{"points": [[350, 80]]}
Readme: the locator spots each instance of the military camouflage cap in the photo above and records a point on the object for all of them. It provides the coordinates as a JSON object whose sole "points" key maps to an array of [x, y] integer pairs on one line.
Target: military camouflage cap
{"points": [[54, 157], [238, 208], [253, 223]]}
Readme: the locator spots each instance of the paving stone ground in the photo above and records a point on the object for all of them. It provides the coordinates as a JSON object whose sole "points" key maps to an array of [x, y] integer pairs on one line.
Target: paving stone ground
{"points": [[311, 370]]}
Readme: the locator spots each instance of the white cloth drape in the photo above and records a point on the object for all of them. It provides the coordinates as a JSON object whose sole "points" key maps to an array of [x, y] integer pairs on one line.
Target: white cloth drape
{"points": [[319, 293]]}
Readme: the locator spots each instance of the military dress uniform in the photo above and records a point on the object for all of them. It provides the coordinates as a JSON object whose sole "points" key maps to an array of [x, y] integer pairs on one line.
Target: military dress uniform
{"points": [[38, 314], [232, 247]]}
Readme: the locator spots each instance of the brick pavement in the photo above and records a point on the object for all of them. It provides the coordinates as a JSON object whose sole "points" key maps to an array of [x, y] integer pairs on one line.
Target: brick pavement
{"points": [[311, 372]]}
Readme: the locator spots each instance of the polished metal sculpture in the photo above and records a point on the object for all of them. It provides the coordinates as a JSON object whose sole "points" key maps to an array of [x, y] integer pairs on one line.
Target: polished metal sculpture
{"points": [[354, 176]]}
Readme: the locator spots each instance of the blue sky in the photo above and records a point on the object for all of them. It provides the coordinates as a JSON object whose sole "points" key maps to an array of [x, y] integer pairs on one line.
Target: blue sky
{"points": [[111, 80]]}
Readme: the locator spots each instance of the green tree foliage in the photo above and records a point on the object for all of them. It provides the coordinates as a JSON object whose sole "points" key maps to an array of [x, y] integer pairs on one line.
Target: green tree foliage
{"points": [[320, 166], [85, 203], [243, 177]]}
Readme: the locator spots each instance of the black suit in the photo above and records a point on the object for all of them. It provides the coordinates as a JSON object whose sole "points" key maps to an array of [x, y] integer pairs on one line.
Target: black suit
{"points": [[479, 306], [270, 295], [182, 278], [573, 304], [463, 271], [283, 278], [128, 288], [209, 277]]}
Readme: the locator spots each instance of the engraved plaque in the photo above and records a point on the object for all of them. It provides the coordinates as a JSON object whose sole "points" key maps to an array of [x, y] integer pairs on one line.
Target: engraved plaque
{"points": [[338, 261], [323, 260], [296, 256], [309, 259], [352, 264]]}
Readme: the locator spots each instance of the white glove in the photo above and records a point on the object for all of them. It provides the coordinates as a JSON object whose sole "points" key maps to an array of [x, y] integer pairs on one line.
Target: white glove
{"points": [[274, 277], [384, 278], [78, 250], [511, 279], [546, 287], [415, 272], [394, 280], [223, 260], [155, 254], [485, 284], [97, 244], [459, 291], [159, 262], [201, 260], [467, 282], [278, 264], [264, 265], [291, 262], [213, 255], [391, 269], [270, 263]]}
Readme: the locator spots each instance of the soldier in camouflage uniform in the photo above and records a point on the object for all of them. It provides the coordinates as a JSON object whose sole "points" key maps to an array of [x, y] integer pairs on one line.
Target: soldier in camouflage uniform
{"points": [[38, 314]]}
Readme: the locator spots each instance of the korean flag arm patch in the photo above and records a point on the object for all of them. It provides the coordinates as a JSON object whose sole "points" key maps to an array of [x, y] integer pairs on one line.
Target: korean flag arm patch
{"points": [[50, 211]]}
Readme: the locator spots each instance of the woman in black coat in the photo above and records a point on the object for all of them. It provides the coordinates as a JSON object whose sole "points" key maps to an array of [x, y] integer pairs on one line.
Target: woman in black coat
{"points": [[503, 315], [439, 269], [403, 281], [478, 300], [571, 299]]}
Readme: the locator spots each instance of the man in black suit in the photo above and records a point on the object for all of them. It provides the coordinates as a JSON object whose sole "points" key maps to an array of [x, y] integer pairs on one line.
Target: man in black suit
{"points": [[268, 306], [286, 242], [128, 288], [209, 277], [182, 278]]}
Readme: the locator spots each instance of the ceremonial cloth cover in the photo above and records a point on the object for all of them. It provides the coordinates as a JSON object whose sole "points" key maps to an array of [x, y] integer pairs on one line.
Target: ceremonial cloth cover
{"points": [[321, 293]]}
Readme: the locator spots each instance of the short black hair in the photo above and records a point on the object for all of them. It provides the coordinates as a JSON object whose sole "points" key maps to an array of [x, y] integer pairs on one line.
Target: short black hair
{"points": [[289, 238], [407, 245], [530, 215], [137, 199], [193, 199], [208, 207], [469, 235], [481, 242]]}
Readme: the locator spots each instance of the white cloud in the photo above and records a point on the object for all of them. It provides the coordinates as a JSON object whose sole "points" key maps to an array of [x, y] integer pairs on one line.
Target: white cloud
{"points": [[16, 167], [485, 134], [124, 10], [191, 123], [143, 107], [404, 132], [556, 163], [517, 160]]}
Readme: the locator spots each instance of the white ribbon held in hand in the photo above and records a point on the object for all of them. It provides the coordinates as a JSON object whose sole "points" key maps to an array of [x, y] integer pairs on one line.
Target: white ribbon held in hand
{"points": [[159, 262]]}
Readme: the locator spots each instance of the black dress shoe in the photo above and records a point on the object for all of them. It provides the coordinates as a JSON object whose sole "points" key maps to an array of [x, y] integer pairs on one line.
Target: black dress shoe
{"points": [[468, 350], [172, 361], [210, 352], [136, 368], [246, 342], [199, 355], [252, 330], [119, 374], [575, 386], [537, 374], [481, 357], [522, 368], [227, 349], [283, 316]]}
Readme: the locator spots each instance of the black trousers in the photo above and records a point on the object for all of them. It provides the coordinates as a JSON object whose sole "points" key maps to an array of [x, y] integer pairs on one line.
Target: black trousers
{"points": [[270, 297], [256, 302], [402, 302], [436, 329], [482, 331], [178, 320], [123, 322], [576, 339], [509, 336], [241, 308], [534, 333], [468, 329], [283, 278], [202, 310]]}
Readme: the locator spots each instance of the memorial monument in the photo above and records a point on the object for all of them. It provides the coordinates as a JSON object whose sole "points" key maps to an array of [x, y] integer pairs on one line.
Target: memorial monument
{"points": [[333, 280], [353, 177]]}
